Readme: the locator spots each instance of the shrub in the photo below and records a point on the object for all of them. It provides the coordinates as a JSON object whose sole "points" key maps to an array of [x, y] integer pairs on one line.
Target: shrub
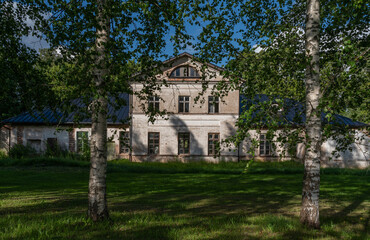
{"points": [[21, 151], [55, 151], [3, 154]]}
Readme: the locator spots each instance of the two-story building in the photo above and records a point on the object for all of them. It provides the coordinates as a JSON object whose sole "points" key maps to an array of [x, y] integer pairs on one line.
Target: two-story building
{"points": [[195, 126], [192, 130]]}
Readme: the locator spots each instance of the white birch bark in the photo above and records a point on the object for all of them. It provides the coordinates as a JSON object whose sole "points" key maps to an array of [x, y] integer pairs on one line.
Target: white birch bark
{"points": [[97, 209], [311, 179]]}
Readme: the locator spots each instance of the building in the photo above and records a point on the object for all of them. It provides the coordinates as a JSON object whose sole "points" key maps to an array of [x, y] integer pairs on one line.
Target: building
{"points": [[192, 131]]}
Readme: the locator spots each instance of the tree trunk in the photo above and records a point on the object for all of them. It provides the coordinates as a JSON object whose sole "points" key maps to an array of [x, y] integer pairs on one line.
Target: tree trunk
{"points": [[311, 178], [98, 209]]}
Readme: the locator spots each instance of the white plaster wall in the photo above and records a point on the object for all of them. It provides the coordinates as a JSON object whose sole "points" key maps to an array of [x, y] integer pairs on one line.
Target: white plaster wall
{"points": [[43, 133], [278, 151], [170, 99], [197, 125], [13, 137], [358, 157], [112, 134]]}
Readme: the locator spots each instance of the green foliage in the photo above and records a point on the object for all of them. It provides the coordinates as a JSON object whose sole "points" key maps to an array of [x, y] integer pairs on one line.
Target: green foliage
{"points": [[20, 151], [3, 154], [263, 43], [137, 40], [22, 84]]}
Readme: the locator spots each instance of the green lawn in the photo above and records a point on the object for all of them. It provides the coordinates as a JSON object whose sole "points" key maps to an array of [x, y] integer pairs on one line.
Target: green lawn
{"points": [[179, 201]]}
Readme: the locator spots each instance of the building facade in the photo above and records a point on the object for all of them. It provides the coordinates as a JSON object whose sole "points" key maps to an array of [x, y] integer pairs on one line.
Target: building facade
{"points": [[194, 126], [191, 131]]}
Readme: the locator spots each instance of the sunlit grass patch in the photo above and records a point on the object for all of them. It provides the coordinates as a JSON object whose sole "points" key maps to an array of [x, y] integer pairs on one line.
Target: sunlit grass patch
{"points": [[171, 203]]}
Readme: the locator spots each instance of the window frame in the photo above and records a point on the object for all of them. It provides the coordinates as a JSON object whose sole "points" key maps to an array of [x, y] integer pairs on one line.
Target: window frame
{"points": [[78, 150], [214, 151], [188, 70], [183, 104], [154, 103], [153, 142], [214, 103], [179, 147], [124, 142], [265, 142]]}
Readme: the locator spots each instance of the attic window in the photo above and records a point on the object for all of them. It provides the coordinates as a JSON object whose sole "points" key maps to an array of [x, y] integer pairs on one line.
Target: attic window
{"points": [[185, 71]]}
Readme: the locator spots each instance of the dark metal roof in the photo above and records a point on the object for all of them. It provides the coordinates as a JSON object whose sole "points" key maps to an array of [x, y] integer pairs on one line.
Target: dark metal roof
{"points": [[49, 116], [294, 113]]}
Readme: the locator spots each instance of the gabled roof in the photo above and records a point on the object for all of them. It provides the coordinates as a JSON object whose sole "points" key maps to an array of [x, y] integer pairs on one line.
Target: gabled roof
{"points": [[185, 54], [294, 112], [49, 116]]}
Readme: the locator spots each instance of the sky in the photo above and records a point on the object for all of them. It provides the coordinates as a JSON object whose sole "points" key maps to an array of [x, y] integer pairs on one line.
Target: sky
{"points": [[36, 43]]}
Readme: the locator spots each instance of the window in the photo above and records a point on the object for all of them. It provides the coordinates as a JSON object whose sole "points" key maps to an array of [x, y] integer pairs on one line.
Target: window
{"points": [[213, 103], [153, 143], [184, 71], [265, 146], [153, 103], [124, 142], [82, 141], [52, 144], [184, 143], [184, 104], [35, 144], [213, 143]]}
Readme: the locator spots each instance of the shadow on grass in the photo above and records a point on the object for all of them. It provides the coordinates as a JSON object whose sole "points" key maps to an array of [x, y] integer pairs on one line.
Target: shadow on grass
{"points": [[47, 204]]}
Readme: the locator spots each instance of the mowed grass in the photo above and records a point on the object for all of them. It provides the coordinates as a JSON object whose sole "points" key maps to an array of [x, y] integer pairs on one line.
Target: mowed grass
{"points": [[47, 199]]}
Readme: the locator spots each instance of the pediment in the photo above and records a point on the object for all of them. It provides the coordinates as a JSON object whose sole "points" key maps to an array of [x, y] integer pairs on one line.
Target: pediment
{"points": [[194, 69]]}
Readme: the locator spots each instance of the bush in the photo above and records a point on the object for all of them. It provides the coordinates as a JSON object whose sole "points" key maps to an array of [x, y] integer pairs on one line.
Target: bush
{"points": [[55, 151], [3, 154], [21, 151]]}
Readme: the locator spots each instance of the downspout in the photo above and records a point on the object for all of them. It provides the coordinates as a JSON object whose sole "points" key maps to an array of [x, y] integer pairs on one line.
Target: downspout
{"points": [[10, 135], [130, 116]]}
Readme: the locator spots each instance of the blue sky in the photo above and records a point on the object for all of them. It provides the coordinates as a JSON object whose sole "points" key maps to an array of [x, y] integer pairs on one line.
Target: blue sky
{"points": [[37, 43]]}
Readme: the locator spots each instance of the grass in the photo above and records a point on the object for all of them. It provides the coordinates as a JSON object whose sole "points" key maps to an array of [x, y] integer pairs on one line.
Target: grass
{"points": [[47, 199]]}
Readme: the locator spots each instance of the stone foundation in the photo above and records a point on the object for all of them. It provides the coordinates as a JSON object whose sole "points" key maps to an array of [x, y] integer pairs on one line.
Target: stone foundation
{"points": [[182, 158]]}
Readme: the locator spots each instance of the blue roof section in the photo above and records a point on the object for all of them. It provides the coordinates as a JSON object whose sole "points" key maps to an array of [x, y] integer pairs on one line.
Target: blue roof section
{"points": [[294, 112], [49, 116]]}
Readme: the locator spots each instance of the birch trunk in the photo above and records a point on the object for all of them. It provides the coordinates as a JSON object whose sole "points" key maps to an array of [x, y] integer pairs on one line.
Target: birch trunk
{"points": [[311, 178], [97, 209]]}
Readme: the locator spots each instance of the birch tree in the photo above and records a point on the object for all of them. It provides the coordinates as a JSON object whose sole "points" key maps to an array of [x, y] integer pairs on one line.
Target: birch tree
{"points": [[311, 177], [294, 52], [106, 43], [97, 184]]}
